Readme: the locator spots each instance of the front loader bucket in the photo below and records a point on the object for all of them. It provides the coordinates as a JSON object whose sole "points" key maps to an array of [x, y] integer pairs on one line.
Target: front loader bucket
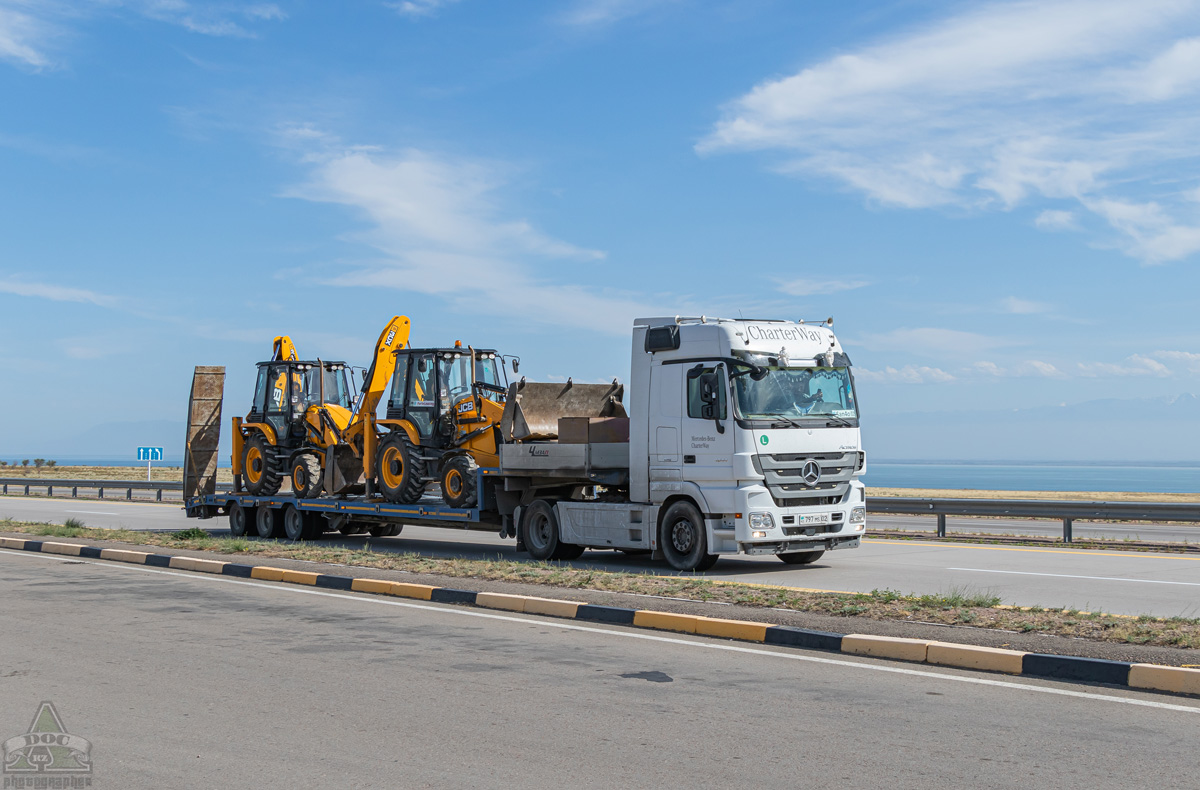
{"points": [[533, 409]]}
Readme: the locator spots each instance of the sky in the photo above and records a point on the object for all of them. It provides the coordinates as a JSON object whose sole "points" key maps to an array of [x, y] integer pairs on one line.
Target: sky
{"points": [[998, 203]]}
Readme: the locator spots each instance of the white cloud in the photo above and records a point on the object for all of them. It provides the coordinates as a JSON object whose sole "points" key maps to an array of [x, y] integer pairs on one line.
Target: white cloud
{"points": [[418, 8], [23, 37], [1029, 368], [1188, 358], [1055, 219], [1085, 101], [929, 341], [1015, 306], [1135, 365], [442, 230], [599, 13], [814, 287], [31, 29], [57, 293], [908, 374]]}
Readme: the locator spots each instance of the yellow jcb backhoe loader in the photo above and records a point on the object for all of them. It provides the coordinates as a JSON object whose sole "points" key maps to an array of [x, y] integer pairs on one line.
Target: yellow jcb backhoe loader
{"points": [[450, 409], [304, 424]]}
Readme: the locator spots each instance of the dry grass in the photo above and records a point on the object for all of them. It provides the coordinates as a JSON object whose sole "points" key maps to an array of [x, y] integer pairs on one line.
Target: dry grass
{"points": [[956, 607]]}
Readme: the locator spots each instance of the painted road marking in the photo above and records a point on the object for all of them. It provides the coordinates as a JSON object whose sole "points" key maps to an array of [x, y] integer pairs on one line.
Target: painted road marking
{"points": [[93, 512], [1069, 576], [550, 623], [1091, 553]]}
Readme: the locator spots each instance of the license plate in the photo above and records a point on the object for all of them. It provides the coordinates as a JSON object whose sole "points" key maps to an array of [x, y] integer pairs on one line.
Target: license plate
{"points": [[815, 518]]}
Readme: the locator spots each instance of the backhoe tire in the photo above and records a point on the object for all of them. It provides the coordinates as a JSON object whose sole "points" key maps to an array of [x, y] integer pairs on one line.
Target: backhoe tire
{"points": [[539, 533], [460, 481], [400, 470], [267, 522], [684, 539], [237, 520], [260, 466], [306, 476]]}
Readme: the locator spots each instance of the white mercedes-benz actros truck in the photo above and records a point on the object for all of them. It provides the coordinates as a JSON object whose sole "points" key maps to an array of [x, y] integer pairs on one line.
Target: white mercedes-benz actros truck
{"points": [[743, 437], [740, 437]]}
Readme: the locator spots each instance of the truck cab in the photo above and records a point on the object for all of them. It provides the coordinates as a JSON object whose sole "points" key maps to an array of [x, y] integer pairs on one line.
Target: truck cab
{"points": [[757, 424]]}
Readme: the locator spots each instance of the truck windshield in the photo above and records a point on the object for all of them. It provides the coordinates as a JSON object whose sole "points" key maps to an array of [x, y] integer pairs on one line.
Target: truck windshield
{"points": [[796, 393]]}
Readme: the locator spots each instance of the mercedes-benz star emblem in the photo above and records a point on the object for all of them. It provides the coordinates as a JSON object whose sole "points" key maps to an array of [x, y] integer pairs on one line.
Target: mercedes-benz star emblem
{"points": [[811, 473]]}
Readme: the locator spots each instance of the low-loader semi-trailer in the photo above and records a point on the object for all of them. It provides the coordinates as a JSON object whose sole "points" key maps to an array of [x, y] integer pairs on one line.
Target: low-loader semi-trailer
{"points": [[742, 436]]}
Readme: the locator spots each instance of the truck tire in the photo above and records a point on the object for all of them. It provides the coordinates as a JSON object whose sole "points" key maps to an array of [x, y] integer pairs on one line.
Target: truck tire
{"points": [[539, 534], [400, 470], [297, 524], [385, 530], [267, 522], [683, 538], [460, 481], [801, 557], [260, 466], [237, 520], [306, 476]]}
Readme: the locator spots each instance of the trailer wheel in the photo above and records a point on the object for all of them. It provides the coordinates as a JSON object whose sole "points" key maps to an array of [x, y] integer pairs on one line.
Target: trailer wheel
{"points": [[237, 520], [460, 481], [260, 466], [295, 523], [400, 469], [386, 530], [306, 476], [267, 522], [683, 538], [801, 557]]}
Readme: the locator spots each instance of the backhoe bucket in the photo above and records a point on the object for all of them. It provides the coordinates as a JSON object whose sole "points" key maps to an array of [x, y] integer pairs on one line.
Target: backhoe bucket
{"points": [[533, 409]]}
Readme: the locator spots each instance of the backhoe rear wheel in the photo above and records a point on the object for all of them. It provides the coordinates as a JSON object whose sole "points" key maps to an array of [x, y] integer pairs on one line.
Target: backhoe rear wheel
{"points": [[306, 476], [460, 481], [260, 466], [400, 469]]}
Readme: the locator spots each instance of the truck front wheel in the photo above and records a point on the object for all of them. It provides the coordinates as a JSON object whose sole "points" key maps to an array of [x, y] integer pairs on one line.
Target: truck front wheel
{"points": [[684, 539], [539, 533]]}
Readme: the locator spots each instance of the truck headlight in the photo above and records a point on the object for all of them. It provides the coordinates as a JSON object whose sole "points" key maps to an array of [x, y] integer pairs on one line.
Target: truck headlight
{"points": [[858, 515], [761, 521]]}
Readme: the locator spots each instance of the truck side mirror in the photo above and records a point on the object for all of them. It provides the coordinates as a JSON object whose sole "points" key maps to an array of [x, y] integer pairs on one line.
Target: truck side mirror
{"points": [[710, 399], [516, 365]]}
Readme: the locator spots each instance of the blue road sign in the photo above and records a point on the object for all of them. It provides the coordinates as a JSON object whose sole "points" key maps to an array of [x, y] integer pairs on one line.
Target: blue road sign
{"points": [[150, 453]]}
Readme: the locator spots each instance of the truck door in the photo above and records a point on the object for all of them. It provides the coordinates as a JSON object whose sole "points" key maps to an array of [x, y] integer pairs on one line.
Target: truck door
{"points": [[278, 406], [706, 435]]}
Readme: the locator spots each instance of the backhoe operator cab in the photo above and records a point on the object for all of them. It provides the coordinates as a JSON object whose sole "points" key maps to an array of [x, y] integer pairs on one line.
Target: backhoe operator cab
{"points": [[442, 423], [281, 417]]}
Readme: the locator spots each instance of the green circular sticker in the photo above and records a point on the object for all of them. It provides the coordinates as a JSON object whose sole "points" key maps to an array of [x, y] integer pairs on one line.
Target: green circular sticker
{"points": [[763, 439]]}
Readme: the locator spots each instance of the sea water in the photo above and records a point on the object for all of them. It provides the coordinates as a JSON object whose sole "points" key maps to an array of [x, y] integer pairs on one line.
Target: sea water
{"points": [[1180, 478]]}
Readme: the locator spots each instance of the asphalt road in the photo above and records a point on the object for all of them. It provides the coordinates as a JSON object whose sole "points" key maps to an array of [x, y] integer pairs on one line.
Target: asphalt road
{"points": [[1111, 581], [182, 681]]}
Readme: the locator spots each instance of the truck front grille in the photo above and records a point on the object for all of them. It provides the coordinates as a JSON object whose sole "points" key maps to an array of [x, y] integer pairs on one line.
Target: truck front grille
{"points": [[784, 477]]}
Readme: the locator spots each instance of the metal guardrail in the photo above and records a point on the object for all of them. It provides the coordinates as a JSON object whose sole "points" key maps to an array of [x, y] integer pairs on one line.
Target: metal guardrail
{"points": [[27, 484], [1066, 511]]}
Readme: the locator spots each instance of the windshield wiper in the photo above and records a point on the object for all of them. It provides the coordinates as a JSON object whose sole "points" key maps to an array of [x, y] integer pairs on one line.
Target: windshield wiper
{"points": [[837, 422], [784, 422]]}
